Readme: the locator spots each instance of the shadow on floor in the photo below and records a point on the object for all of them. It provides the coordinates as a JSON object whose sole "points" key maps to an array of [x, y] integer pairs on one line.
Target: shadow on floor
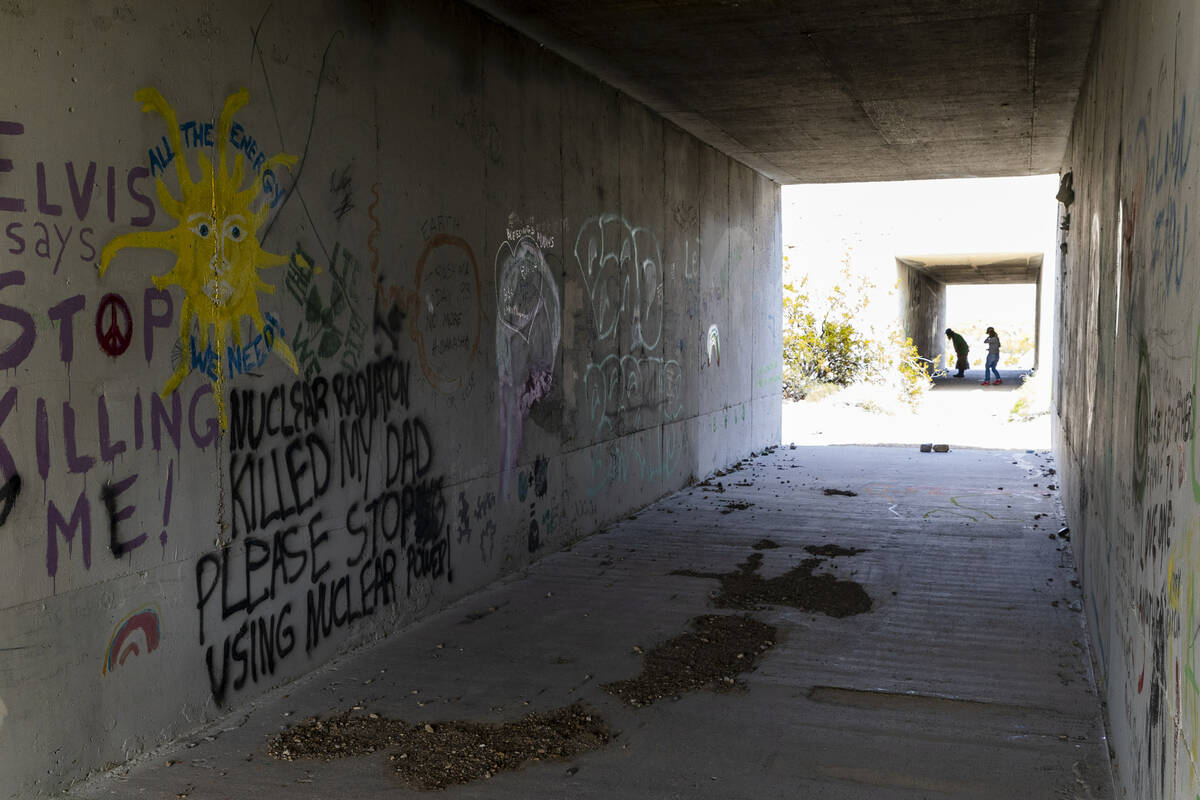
{"points": [[973, 378]]}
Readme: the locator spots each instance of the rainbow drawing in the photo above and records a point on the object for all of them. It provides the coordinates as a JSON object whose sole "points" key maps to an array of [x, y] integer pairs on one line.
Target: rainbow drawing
{"points": [[123, 643]]}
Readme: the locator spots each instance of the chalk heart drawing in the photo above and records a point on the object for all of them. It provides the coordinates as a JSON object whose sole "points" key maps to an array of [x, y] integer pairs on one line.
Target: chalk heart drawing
{"points": [[218, 256], [528, 330], [140, 626], [526, 292]]}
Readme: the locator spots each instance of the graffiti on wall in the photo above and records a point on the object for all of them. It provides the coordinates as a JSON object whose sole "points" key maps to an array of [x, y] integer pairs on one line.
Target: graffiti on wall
{"points": [[528, 329], [713, 342], [622, 274], [686, 217], [1141, 422], [769, 375], [446, 318], [332, 328], [218, 255], [80, 438], [1163, 448], [1139, 538], [156, 425], [475, 519], [138, 632], [533, 484], [9, 493], [442, 310], [1167, 153], [615, 463], [336, 515], [1183, 692], [633, 380], [52, 236]]}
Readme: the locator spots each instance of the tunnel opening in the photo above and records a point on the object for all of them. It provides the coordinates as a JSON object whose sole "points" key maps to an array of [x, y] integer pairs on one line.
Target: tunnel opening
{"points": [[1009, 308], [968, 293], [901, 263]]}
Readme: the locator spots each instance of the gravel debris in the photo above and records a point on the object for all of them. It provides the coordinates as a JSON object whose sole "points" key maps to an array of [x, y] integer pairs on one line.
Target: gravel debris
{"points": [[720, 648], [437, 755]]}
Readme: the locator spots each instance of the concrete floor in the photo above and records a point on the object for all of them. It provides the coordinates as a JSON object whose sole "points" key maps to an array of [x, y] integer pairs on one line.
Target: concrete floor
{"points": [[969, 677]]}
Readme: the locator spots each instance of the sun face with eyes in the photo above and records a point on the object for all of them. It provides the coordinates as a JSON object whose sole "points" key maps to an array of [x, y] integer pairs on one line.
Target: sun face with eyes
{"points": [[218, 255]]}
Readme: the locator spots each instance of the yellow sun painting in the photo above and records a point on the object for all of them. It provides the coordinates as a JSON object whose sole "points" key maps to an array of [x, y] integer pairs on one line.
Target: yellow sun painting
{"points": [[218, 256]]}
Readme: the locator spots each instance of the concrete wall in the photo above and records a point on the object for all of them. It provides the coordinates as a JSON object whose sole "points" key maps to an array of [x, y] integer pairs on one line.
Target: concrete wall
{"points": [[483, 302], [922, 311], [1128, 331]]}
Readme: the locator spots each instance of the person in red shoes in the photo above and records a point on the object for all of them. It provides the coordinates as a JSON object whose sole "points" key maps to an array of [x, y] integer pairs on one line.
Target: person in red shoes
{"points": [[993, 358]]}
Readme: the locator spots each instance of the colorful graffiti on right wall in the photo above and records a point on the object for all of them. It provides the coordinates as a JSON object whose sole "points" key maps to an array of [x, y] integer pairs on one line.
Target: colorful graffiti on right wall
{"points": [[1129, 374]]}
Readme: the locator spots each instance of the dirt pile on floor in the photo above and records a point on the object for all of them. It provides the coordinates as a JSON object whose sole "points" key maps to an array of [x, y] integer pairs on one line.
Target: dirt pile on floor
{"points": [[831, 550], [442, 754], [721, 647], [744, 588]]}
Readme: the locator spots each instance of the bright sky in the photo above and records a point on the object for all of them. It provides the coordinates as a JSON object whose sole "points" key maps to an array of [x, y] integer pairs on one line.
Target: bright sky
{"points": [[973, 215]]}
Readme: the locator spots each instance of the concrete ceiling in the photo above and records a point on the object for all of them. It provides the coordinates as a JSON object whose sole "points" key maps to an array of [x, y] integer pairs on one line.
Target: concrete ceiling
{"points": [[818, 91], [953, 268]]}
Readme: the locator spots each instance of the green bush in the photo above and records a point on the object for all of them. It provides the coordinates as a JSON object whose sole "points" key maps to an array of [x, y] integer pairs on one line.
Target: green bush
{"points": [[825, 350], [834, 348], [901, 365]]}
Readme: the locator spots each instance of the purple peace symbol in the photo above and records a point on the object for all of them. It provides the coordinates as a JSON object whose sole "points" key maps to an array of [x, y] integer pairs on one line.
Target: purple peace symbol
{"points": [[114, 325]]}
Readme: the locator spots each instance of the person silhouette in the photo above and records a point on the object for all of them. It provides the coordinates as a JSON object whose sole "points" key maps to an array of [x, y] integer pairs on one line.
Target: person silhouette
{"points": [[961, 348], [993, 358]]}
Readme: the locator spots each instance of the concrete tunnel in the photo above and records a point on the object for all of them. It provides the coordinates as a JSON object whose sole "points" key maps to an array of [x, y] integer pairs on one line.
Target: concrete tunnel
{"points": [[922, 282], [317, 324]]}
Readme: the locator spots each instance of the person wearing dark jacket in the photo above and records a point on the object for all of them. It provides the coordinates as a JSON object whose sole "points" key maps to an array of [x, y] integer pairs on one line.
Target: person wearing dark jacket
{"points": [[961, 348]]}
